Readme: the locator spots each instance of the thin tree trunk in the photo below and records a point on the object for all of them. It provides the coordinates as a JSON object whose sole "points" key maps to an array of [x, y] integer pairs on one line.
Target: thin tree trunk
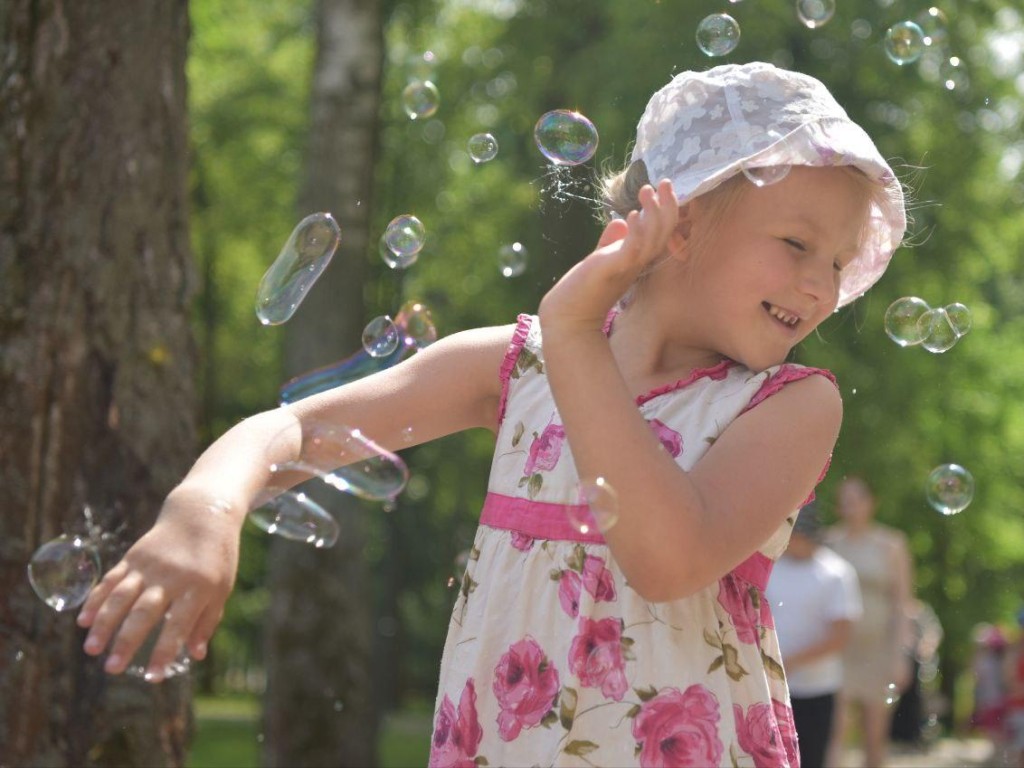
{"points": [[319, 704], [96, 365]]}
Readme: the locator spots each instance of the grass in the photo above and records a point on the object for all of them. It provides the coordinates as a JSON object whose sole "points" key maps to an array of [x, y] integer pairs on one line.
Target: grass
{"points": [[228, 735]]}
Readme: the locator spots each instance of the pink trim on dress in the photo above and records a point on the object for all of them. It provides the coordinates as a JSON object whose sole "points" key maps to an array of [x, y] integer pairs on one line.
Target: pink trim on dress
{"points": [[715, 373], [755, 570], [786, 374], [538, 519], [523, 323]]}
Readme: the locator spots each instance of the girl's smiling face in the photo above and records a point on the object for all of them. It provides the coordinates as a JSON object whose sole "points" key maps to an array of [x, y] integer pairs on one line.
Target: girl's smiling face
{"points": [[769, 272]]}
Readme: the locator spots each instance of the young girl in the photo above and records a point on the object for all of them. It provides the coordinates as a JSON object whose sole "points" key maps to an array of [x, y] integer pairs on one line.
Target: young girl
{"points": [[651, 644]]}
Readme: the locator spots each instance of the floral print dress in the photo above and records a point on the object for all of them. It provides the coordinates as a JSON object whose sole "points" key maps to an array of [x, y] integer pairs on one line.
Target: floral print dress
{"points": [[552, 659]]}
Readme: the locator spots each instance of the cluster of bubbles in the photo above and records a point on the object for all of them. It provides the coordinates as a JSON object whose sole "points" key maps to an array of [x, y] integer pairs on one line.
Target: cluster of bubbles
{"points": [[596, 509], [333, 458], [910, 321], [949, 489], [63, 572], [301, 261], [718, 34]]}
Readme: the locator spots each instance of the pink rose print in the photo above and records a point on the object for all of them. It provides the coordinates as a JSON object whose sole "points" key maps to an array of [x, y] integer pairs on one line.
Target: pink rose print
{"points": [[787, 727], [569, 592], [521, 541], [525, 685], [598, 580], [595, 657], [679, 728], [746, 606], [669, 438], [759, 736], [456, 739], [545, 449]]}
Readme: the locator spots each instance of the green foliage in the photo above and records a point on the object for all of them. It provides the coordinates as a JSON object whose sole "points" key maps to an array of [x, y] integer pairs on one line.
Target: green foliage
{"points": [[906, 410]]}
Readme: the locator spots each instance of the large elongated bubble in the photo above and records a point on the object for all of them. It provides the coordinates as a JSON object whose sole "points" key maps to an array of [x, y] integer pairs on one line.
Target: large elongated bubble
{"points": [[293, 515], [304, 257], [349, 461], [416, 330]]}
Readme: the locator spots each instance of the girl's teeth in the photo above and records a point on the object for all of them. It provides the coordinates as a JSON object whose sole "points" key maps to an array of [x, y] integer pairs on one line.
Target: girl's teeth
{"points": [[785, 317]]}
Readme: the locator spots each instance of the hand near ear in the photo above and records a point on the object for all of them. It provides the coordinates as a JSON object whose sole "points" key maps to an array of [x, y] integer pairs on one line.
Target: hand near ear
{"points": [[582, 298]]}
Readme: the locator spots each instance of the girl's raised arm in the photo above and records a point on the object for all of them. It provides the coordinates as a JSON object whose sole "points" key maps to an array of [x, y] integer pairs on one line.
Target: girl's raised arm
{"points": [[185, 566]]}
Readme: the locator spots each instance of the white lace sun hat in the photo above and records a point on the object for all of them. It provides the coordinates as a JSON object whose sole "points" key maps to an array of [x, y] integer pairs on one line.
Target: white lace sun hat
{"points": [[704, 127]]}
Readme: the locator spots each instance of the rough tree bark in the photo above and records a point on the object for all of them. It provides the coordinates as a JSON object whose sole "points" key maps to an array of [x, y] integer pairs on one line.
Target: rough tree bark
{"points": [[319, 707], [96, 356]]}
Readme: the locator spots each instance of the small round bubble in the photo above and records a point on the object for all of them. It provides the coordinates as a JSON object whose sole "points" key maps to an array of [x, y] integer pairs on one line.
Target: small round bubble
{"points": [[960, 318], [904, 42], [63, 571], [935, 25], [301, 261], [420, 99], [718, 34], [512, 259], [405, 236], [902, 318], [482, 147], [762, 175], [597, 508], [938, 331], [380, 337], [394, 260], [416, 322], [892, 695], [815, 13], [953, 74], [949, 488], [565, 137]]}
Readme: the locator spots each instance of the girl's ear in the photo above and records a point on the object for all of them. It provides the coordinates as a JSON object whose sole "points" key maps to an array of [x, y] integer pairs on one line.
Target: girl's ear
{"points": [[680, 239]]}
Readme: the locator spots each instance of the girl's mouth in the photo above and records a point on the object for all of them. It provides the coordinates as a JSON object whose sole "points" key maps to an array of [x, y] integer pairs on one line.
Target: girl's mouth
{"points": [[787, 319]]}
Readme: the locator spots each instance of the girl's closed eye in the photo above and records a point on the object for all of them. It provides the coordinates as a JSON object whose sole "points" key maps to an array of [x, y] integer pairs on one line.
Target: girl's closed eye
{"points": [[795, 243]]}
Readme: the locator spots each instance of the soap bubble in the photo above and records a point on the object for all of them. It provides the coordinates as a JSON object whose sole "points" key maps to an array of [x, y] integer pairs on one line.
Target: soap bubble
{"points": [[417, 324], [938, 331], [904, 42], [405, 235], [380, 337], [482, 147], [902, 321], [960, 318], [935, 25], [815, 13], [420, 99], [949, 488], [597, 508], [139, 665], [892, 695], [304, 257], [763, 176], [718, 34], [565, 137], [512, 259], [293, 515], [63, 571], [394, 260], [953, 74]]}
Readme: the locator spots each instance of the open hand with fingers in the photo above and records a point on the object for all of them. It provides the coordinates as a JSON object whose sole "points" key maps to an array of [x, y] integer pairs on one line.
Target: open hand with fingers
{"points": [[582, 298], [179, 573]]}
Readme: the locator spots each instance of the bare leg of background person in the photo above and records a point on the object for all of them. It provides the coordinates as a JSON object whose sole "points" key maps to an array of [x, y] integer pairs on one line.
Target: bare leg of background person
{"points": [[877, 719], [840, 718]]}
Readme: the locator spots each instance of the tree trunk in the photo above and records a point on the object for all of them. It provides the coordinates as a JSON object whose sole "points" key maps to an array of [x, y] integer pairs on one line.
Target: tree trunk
{"points": [[319, 704], [96, 394]]}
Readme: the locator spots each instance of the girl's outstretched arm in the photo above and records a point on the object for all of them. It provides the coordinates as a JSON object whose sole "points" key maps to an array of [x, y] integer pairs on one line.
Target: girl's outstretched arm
{"points": [[185, 566], [678, 531]]}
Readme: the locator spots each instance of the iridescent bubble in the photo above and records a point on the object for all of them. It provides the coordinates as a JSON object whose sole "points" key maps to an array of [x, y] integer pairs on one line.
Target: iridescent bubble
{"points": [[512, 259], [405, 235], [718, 34], [63, 571], [597, 507], [417, 324], [902, 318], [953, 74], [815, 13], [349, 461], [420, 99], [380, 337], [904, 42], [394, 260], [763, 175], [949, 488], [304, 257], [935, 25], [960, 318], [937, 328], [482, 147], [565, 137], [892, 695], [293, 515], [139, 666]]}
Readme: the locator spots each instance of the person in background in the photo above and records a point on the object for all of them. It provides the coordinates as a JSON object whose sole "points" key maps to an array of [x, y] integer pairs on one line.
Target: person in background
{"points": [[909, 717], [1014, 669], [876, 661], [815, 599], [987, 669]]}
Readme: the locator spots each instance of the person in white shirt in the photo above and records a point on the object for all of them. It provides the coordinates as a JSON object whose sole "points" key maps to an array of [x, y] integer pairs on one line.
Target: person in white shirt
{"points": [[815, 599]]}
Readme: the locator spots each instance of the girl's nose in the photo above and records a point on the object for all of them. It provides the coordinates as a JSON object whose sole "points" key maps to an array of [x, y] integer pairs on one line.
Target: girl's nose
{"points": [[820, 280]]}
